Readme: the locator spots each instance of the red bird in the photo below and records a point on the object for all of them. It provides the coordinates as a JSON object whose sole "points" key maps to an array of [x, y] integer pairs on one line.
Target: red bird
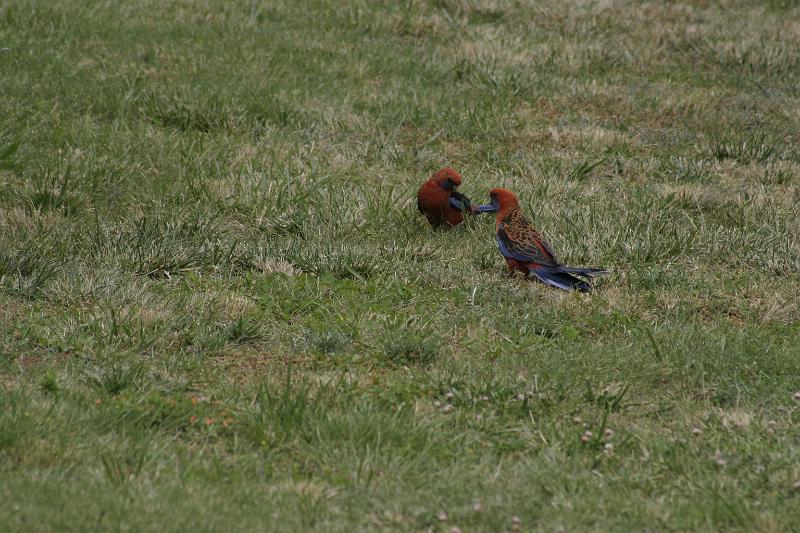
{"points": [[525, 250], [439, 201]]}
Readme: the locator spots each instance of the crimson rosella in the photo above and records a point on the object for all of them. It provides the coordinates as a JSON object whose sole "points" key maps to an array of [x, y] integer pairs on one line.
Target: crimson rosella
{"points": [[525, 250], [439, 201]]}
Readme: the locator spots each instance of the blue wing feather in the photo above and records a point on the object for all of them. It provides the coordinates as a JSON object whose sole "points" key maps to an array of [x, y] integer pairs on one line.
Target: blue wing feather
{"points": [[504, 251], [458, 201], [456, 204]]}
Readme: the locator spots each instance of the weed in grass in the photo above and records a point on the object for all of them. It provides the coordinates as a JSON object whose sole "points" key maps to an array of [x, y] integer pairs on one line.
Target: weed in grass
{"points": [[121, 470], [328, 342], [244, 330], [164, 248], [410, 346], [54, 192], [114, 378], [342, 262], [281, 412], [27, 270], [684, 169], [583, 170], [186, 112], [753, 148], [48, 383], [776, 175], [13, 405], [610, 398], [7, 155]]}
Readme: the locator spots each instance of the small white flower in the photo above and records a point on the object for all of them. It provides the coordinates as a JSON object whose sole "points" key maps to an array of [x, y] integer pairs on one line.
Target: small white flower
{"points": [[608, 433], [450, 395], [697, 431], [442, 516], [448, 408], [477, 507]]}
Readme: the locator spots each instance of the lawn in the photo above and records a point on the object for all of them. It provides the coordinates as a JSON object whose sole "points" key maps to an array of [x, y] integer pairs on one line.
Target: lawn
{"points": [[220, 309]]}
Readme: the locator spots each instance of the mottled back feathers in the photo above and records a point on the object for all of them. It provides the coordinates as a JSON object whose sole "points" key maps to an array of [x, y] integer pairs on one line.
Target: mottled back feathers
{"points": [[519, 239]]}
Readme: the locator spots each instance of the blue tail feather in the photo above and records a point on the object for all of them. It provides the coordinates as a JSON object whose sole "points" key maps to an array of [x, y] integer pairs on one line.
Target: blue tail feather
{"points": [[562, 280], [581, 271]]}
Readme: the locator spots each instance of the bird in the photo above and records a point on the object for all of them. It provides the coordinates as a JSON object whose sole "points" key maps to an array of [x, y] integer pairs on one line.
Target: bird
{"points": [[441, 203], [525, 250]]}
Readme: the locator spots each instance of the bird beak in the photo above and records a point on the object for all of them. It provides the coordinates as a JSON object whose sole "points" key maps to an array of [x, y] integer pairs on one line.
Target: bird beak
{"points": [[484, 208]]}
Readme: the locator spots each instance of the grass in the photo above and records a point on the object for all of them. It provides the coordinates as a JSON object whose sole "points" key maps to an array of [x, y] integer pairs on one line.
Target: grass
{"points": [[219, 308]]}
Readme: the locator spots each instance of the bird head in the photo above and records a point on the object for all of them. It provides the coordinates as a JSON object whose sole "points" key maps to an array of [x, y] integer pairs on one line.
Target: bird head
{"points": [[502, 200], [447, 178]]}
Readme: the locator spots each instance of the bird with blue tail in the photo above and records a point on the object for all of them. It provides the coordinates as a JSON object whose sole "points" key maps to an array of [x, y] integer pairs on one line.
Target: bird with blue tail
{"points": [[442, 204], [525, 250]]}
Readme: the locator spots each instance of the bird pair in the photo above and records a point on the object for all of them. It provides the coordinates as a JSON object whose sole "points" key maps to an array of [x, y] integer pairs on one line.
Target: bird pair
{"points": [[519, 242]]}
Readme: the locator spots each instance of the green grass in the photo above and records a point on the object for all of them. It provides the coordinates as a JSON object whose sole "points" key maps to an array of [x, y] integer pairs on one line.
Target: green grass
{"points": [[220, 310]]}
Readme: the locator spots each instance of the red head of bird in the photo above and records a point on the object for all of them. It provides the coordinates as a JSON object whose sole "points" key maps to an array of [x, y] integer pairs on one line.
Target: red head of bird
{"points": [[503, 201], [447, 178]]}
